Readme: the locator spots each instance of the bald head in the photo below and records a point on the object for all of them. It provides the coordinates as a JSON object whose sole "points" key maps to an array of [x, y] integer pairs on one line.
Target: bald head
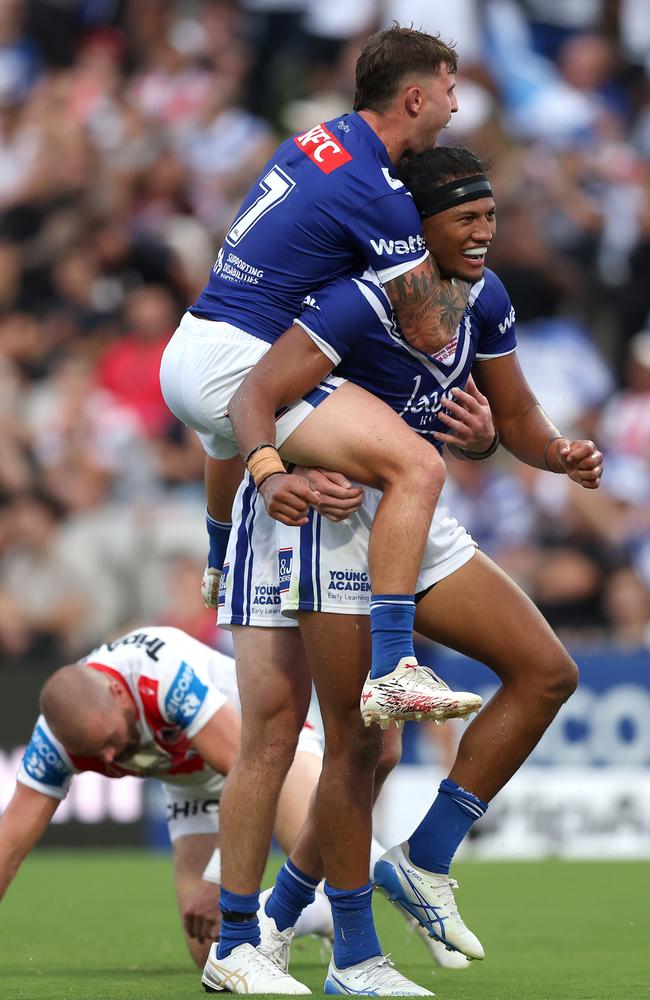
{"points": [[79, 706]]}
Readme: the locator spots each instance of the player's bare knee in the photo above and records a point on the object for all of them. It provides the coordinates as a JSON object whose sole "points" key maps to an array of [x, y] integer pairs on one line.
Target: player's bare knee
{"points": [[271, 746], [424, 475], [354, 750], [556, 680], [419, 469]]}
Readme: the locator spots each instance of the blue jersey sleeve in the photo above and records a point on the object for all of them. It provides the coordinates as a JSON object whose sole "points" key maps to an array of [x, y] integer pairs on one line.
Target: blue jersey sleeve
{"points": [[338, 316], [388, 232], [496, 319], [45, 766]]}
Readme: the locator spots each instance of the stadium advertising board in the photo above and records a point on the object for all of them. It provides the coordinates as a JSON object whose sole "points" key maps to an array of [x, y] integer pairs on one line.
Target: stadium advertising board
{"points": [[584, 792]]}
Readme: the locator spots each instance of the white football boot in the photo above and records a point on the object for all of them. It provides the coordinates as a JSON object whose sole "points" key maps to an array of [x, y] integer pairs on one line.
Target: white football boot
{"points": [[247, 970], [275, 944], [428, 897], [413, 692], [376, 977], [441, 955], [210, 587]]}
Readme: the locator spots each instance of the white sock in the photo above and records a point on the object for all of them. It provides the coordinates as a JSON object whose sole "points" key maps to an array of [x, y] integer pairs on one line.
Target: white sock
{"points": [[316, 918]]}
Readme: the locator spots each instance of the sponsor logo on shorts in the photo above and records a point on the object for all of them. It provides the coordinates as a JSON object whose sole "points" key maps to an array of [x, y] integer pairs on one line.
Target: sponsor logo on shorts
{"points": [[285, 566], [191, 807], [266, 595], [43, 762], [185, 697], [322, 149], [221, 600], [350, 580]]}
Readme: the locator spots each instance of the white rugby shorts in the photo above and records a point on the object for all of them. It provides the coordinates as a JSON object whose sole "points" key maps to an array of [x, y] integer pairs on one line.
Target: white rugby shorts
{"points": [[249, 593], [273, 571], [204, 364], [195, 808]]}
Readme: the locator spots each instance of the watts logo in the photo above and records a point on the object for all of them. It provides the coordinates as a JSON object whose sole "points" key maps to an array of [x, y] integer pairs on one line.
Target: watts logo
{"points": [[322, 149], [410, 245], [285, 566]]}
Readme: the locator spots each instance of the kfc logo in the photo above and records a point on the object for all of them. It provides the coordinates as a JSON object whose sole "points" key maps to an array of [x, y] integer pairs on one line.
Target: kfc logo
{"points": [[322, 149]]}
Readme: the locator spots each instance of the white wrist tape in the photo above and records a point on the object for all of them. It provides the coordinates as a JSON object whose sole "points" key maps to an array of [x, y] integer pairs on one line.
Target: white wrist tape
{"points": [[212, 871]]}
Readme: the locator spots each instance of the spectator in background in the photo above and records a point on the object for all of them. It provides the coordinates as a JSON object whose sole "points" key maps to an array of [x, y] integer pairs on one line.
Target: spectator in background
{"points": [[130, 367], [184, 606], [90, 446], [128, 129], [47, 604], [625, 421]]}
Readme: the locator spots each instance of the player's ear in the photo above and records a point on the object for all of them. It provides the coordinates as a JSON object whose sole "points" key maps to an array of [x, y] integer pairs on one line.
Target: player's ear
{"points": [[413, 99], [118, 692]]}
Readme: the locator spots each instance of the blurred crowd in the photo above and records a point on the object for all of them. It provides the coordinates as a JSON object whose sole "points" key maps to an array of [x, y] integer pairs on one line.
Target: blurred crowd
{"points": [[129, 132]]}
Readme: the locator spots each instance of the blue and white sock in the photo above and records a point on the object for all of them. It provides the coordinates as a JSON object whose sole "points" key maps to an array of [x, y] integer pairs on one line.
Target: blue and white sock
{"points": [[239, 921], [433, 845], [218, 534], [355, 937], [391, 627], [293, 891]]}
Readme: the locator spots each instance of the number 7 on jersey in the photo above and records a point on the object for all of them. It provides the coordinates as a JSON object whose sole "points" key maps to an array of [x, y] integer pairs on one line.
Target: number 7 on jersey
{"points": [[276, 185]]}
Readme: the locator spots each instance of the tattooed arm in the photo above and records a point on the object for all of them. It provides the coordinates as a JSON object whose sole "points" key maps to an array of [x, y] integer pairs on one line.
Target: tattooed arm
{"points": [[427, 307]]}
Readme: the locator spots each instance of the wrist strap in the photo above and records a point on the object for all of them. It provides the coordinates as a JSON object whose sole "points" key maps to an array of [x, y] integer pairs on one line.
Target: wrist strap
{"points": [[556, 437], [258, 447], [477, 456], [264, 461]]}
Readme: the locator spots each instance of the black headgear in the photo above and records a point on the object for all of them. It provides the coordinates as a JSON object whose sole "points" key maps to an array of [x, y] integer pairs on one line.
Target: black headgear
{"points": [[453, 193]]}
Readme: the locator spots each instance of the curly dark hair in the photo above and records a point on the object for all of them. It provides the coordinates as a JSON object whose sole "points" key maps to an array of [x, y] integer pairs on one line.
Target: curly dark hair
{"points": [[421, 172]]}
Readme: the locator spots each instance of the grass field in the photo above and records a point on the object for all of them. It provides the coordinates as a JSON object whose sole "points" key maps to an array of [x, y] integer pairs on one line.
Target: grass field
{"points": [[103, 926]]}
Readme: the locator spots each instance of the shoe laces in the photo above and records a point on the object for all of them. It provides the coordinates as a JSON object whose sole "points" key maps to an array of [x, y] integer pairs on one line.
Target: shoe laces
{"points": [[263, 962], [383, 973], [446, 892], [423, 675], [277, 945]]}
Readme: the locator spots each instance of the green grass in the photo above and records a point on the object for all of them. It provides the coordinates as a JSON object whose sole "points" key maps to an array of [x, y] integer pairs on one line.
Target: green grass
{"points": [[103, 926]]}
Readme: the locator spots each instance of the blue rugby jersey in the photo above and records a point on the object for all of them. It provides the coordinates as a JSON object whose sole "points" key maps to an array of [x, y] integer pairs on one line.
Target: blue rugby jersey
{"points": [[326, 204], [352, 322]]}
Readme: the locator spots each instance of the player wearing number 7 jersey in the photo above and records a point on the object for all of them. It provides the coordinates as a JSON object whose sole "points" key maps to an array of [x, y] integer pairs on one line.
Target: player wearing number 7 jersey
{"points": [[327, 203]]}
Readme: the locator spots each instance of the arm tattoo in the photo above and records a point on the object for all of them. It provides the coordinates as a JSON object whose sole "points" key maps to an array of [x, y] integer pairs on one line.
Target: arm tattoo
{"points": [[429, 309]]}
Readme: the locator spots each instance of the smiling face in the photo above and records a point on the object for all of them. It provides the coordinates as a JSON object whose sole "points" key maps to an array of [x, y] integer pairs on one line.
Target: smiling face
{"points": [[459, 238]]}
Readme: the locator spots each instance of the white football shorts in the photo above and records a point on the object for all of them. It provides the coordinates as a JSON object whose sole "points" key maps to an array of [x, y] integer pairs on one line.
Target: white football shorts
{"points": [[273, 571], [195, 808], [204, 364]]}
